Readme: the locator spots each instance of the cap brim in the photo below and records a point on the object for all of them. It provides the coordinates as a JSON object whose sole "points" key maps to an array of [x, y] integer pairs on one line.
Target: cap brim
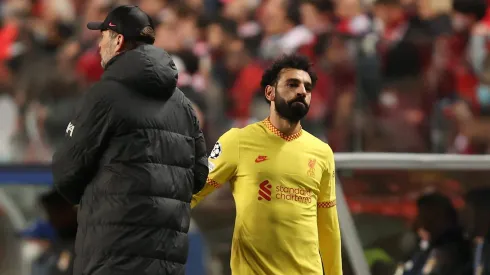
{"points": [[96, 26]]}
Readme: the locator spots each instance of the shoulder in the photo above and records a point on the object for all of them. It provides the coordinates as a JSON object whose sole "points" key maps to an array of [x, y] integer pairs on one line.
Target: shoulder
{"points": [[226, 144], [230, 136], [252, 127], [317, 144], [180, 100], [235, 132], [234, 135], [105, 91], [321, 150], [253, 130]]}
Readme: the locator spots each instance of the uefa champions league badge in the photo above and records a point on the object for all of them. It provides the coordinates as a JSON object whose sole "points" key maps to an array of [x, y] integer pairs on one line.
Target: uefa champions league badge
{"points": [[216, 151]]}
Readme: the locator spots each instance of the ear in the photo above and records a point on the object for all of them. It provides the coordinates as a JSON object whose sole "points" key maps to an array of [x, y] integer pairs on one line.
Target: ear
{"points": [[270, 93], [119, 42]]}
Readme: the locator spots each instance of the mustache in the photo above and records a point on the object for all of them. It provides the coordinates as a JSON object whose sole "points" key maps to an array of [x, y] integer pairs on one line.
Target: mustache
{"points": [[298, 99]]}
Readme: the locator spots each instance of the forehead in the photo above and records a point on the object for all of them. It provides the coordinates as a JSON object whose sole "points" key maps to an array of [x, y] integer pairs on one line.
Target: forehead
{"points": [[288, 74]]}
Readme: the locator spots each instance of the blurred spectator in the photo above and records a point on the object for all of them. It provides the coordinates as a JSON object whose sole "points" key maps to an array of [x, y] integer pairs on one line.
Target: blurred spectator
{"points": [[8, 112], [477, 217], [393, 74], [37, 239], [443, 250], [283, 32], [59, 257], [51, 243], [152, 7]]}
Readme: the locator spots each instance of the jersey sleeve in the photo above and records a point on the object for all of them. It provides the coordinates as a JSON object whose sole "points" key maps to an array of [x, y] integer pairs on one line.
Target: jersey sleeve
{"points": [[328, 223], [326, 198], [222, 164]]}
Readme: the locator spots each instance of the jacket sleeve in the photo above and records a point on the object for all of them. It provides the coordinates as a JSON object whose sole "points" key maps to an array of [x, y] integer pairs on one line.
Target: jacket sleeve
{"points": [[201, 161], [76, 161]]}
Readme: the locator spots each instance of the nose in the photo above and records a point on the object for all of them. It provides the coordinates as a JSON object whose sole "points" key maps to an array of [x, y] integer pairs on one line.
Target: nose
{"points": [[100, 43], [301, 91]]}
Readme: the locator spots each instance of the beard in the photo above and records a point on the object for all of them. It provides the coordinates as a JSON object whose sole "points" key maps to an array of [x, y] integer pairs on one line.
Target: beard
{"points": [[292, 111], [106, 55]]}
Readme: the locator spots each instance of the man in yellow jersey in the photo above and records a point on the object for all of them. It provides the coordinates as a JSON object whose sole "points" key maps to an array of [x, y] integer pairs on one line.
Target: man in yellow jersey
{"points": [[283, 182]]}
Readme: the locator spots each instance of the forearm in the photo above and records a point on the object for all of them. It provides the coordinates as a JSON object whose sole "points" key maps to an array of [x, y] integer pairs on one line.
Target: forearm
{"points": [[329, 240], [208, 188]]}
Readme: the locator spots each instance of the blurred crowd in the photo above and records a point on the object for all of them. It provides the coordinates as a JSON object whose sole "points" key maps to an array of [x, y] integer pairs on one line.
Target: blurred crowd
{"points": [[394, 75]]}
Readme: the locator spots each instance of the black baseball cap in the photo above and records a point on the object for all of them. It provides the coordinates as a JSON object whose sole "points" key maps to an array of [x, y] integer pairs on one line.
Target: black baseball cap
{"points": [[127, 20]]}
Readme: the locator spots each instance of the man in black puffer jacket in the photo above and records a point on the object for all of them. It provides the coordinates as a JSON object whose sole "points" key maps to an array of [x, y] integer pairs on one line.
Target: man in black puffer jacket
{"points": [[132, 157]]}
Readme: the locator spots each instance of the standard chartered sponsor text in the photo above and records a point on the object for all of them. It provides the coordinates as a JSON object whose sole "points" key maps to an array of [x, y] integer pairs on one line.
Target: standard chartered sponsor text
{"points": [[293, 194]]}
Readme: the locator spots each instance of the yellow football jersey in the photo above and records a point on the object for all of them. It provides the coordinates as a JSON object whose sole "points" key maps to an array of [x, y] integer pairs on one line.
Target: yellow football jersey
{"points": [[284, 190]]}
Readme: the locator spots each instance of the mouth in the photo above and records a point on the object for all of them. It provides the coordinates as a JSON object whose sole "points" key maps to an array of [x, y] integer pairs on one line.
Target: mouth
{"points": [[296, 102]]}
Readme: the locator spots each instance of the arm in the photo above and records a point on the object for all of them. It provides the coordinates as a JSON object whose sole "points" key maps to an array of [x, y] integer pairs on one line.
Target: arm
{"points": [[328, 223], [75, 163], [222, 163]]}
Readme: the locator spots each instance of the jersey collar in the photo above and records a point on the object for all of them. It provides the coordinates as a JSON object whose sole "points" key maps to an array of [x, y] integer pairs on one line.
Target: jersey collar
{"points": [[275, 131]]}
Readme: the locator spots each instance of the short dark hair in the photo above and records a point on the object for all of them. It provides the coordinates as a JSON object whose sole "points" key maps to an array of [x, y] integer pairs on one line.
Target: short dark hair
{"points": [[293, 61], [438, 203], [476, 8]]}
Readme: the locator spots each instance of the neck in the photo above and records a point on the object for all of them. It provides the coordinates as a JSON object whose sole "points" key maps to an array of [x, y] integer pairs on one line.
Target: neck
{"points": [[284, 126]]}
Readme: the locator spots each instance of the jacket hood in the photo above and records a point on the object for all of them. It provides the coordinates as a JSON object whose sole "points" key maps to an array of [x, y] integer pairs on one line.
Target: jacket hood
{"points": [[146, 69]]}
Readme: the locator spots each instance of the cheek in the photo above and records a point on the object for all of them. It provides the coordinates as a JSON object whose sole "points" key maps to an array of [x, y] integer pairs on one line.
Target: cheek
{"points": [[102, 45], [308, 98]]}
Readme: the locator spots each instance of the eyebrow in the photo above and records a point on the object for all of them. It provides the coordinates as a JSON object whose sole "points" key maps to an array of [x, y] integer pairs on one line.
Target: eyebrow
{"points": [[296, 80]]}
